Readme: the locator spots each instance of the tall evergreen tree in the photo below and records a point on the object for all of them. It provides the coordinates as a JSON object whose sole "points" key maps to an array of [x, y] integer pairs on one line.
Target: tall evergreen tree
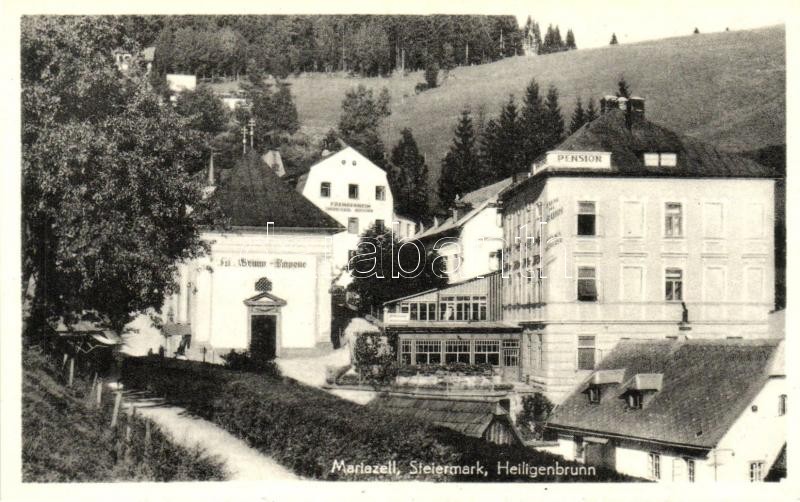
{"points": [[532, 124], [578, 116], [508, 150], [487, 144], [408, 177], [613, 39], [460, 167], [571, 40], [558, 43], [591, 111], [554, 122]]}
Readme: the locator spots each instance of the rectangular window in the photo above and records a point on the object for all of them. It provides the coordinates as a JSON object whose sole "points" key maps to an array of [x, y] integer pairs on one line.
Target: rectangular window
{"points": [[782, 405], [487, 352], [586, 218], [586, 352], [325, 189], [463, 308], [654, 466], [380, 192], [651, 160], [669, 159], [352, 225], [634, 400], [510, 353], [429, 352], [587, 284], [594, 394], [379, 226], [580, 449], [714, 287], [456, 351], [673, 219], [539, 350], [352, 191], [689, 469], [712, 220], [414, 313], [405, 352], [756, 472], [674, 285]]}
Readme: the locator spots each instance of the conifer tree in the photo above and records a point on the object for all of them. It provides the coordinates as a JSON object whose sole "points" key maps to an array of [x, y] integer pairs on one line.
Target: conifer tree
{"points": [[697, 31], [532, 123], [571, 40], [460, 168], [591, 111], [578, 117], [554, 122], [408, 177], [613, 39], [509, 141]]}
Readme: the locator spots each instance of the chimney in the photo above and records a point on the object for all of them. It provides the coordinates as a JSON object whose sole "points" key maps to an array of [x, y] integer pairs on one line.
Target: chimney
{"points": [[636, 107], [610, 102]]}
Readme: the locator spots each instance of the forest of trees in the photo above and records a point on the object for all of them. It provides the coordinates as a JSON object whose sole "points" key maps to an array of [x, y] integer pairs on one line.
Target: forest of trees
{"points": [[552, 41], [366, 45]]}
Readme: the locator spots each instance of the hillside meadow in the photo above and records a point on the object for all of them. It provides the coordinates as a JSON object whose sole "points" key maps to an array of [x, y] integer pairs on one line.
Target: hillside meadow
{"points": [[725, 88]]}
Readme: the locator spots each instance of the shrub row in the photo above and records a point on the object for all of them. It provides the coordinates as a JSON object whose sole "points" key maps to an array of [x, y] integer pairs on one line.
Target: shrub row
{"points": [[307, 429], [63, 440]]}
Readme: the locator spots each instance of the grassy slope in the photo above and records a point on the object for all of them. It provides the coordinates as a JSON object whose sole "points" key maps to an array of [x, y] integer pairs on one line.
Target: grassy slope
{"points": [[63, 440], [725, 88]]}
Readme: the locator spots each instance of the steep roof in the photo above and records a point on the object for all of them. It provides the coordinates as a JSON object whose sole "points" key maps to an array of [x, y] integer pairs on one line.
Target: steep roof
{"points": [[478, 200], [705, 385], [252, 195], [610, 133], [468, 417]]}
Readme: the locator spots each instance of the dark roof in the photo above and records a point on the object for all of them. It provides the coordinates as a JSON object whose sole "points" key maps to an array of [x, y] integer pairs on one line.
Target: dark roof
{"points": [[469, 417], [251, 195], [695, 159], [705, 386]]}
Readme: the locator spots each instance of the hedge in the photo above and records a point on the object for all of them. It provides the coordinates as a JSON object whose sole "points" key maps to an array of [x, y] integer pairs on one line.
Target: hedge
{"points": [[307, 429]]}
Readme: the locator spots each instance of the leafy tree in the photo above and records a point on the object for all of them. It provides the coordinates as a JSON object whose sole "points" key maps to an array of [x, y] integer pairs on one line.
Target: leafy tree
{"points": [[331, 141], [460, 168], [105, 187], [432, 74], [591, 111], [554, 122], [385, 268], [273, 111], [203, 109], [409, 177], [613, 39], [622, 88], [578, 117], [362, 115]]}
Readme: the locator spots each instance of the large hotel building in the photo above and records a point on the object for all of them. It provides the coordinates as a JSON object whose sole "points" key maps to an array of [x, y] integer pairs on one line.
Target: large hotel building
{"points": [[626, 230]]}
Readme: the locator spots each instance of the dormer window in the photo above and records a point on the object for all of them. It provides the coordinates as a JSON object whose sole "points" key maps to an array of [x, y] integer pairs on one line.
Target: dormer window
{"points": [[594, 394], [634, 400], [660, 159]]}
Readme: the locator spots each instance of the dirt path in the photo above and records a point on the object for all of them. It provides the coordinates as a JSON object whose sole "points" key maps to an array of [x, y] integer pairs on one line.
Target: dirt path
{"points": [[311, 371], [242, 462]]}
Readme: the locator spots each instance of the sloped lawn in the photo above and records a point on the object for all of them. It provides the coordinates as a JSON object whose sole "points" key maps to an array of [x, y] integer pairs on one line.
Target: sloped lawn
{"points": [[307, 429], [64, 440]]}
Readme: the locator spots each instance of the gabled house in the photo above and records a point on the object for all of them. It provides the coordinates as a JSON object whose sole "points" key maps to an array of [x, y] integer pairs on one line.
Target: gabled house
{"points": [[471, 237], [679, 410]]}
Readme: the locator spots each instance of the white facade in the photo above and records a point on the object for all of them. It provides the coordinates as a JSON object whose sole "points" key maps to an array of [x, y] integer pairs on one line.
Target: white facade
{"points": [[352, 190], [213, 290], [720, 249], [756, 437], [177, 82]]}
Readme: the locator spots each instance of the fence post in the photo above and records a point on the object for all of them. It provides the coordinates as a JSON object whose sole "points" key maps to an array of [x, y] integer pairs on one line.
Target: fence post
{"points": [[99, 393], [71, 370], [115, 413]]}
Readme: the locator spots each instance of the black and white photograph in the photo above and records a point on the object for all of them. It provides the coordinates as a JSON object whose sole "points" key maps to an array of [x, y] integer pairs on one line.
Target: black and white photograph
{"points": [[518, 250]]}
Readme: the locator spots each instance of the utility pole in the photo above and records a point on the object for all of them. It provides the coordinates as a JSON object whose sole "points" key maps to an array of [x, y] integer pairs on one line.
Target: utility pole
{"points": [[252, 124], [466, 55], [244, 140]]}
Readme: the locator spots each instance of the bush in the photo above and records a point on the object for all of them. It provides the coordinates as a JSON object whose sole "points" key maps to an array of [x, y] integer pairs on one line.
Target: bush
{"points": [[374, 359], [307, 429], [244, 361], [455, 368], [420, 87], [535, 411], [63, 440]]}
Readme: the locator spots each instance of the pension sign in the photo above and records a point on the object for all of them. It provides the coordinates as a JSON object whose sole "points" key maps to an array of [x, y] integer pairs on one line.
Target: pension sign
{"points": [[590, 160]]}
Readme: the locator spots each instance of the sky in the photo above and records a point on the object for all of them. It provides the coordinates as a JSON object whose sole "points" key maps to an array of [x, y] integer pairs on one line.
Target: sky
{"points": [[636, 20]]}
